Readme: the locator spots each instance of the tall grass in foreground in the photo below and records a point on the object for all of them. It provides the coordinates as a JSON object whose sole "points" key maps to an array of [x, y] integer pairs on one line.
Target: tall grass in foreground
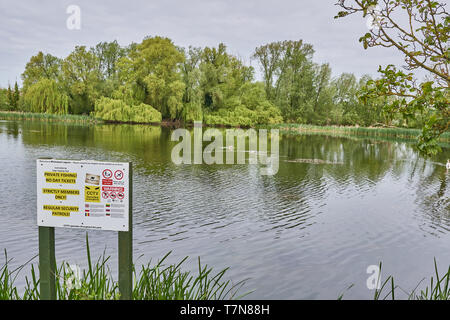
{"points": [[438, 288], [157, 282], [9, 115]]}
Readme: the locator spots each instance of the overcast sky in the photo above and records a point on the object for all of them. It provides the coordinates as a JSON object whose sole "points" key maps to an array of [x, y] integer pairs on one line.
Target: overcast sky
{"points": [[28, 27]]}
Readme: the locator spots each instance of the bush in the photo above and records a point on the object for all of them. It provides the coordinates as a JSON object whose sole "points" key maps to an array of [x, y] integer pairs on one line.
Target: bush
{"points": [[242, 116], [248, 109], [117, 110], [192, 112]]}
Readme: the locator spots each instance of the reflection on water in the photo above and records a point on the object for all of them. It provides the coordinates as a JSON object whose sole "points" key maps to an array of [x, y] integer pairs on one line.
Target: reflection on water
{"points": [[309, 231]]}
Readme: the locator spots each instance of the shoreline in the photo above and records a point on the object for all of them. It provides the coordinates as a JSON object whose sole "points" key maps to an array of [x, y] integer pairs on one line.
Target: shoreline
{"points": [[287, 128]]}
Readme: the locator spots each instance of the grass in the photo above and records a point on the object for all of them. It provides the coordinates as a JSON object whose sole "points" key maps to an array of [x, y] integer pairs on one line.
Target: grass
{"points": [[437, 289], [157, 282], [404, 133], [10, 115]]}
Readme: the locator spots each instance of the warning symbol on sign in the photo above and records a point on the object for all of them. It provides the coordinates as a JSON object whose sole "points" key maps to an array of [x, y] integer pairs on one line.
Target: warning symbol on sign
{"points": [[120, 195], [118, 174], [112, 195], [107, 173], [91, 194], [105, 195]]}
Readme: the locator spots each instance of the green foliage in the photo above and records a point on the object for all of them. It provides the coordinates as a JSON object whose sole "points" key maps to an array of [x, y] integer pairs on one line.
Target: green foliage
{"points": [[41, 66], [222, 75], [81, 80], [4, 101], [209, 83], [421, 38], [44, 96], [10, 97], [154, 282], [151, 70], [428, 101], [248, 107], [192, 112], [108, 55], [117, 110]]}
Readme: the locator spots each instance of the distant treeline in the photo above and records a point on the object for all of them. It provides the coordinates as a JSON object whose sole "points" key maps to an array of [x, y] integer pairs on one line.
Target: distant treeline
{"points": [[156, 80]]}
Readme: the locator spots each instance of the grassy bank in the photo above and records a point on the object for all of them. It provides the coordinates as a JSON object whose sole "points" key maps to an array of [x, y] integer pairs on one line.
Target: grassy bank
{"points": [[157, 282], [10, 115], [402, 133]]}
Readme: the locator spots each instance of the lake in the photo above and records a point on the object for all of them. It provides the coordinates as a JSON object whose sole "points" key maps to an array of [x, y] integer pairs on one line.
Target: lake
{"points": [[308, 232]]}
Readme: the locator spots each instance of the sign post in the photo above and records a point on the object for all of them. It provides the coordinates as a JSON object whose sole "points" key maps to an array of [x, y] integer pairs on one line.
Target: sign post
{"points": [[47, 263], [89, 195], [126, 252]]}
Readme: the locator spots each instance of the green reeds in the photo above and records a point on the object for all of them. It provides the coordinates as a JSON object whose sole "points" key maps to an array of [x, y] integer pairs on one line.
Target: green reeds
{"points": [[158, 282], [404, 133], [438, 288], [170, 283], [5, 115]]}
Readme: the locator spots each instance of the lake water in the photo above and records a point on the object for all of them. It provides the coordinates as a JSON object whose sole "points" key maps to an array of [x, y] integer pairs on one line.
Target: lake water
{"points": [[308, 232]]}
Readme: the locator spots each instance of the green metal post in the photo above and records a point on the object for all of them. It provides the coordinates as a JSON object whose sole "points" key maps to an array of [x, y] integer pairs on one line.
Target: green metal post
{"points": [[47, 263], [126, 250]]}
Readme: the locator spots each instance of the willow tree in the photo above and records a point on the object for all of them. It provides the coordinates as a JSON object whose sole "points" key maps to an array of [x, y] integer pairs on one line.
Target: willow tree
{"points": [[44, 96], [81, 79], [419, 30], [151, 71]]}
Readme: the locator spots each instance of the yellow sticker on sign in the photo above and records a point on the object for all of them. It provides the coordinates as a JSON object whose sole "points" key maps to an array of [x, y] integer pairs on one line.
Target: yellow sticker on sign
{"points": [[60, 211], [61, 194], [91, 194], [60, 177], [60, 208]]}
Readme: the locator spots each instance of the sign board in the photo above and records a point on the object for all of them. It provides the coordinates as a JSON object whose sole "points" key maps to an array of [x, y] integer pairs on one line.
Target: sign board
{"points": [[83, 194]]}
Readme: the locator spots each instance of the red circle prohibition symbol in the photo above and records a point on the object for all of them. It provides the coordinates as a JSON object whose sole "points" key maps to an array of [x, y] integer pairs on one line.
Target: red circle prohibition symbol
{"points": [[105, 195], [107, 173], [112, 195], [118, 174], [120, 195]]}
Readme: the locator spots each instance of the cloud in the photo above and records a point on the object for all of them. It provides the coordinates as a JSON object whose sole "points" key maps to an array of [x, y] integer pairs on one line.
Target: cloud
{"points": [[32, 26]]}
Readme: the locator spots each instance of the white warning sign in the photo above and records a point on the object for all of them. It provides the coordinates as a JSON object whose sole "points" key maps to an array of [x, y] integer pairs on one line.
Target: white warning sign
{"points": [[83, 194]]}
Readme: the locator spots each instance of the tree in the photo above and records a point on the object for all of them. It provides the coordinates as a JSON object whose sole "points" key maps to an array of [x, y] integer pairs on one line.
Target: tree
{"points": [[269, 56], [45, 96], [4, 104], [151, 71], [41, 66], [108, 54], [419, 29], [10, 96], [289, 78], [191, 75], [323, 101], [81, 80], [16, 96]]}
